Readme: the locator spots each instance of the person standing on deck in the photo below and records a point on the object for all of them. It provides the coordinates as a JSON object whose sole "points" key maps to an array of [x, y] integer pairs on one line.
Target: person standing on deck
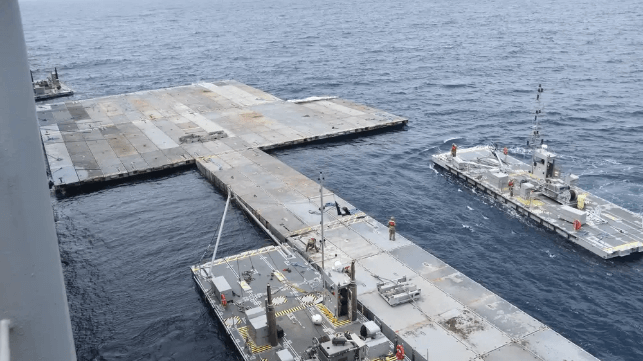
{"points": [[454, 150], [391, 229]]}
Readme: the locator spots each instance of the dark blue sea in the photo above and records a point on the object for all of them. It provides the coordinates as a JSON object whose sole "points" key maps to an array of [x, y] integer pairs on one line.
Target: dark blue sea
{"points": [[461, 71]]}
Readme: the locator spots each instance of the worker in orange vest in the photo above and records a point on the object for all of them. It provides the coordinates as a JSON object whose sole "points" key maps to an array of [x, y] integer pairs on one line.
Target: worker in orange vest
{"points": [[399, 353], [391, 229], [511, 188], [454, 149]]}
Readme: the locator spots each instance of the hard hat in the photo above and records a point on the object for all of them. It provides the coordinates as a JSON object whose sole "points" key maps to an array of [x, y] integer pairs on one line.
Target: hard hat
{"points": [[393, 218]]}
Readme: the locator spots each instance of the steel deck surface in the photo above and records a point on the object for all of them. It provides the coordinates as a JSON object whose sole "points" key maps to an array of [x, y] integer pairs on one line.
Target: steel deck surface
{"points": [[297, 296], [119, 136], [455, 318]]}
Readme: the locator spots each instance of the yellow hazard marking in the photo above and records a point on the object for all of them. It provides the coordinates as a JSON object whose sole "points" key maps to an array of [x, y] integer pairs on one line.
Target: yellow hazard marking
{"points": [[329, 315], [387, 358], [279, 276], [231, 321], [245, 285], [247, 254], [610, 216], [293, 286], [580, 203], [243, 331], [534, 202], [624, 247], [290, 310], [309, 300]]}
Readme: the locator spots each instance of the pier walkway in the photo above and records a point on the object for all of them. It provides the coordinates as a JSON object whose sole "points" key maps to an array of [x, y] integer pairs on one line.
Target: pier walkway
{"points": [[455, 319], [119, 136]]}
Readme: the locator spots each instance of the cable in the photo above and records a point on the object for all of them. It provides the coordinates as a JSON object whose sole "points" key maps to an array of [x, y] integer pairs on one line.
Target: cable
{"points": [[212, 239], [243, 234]]}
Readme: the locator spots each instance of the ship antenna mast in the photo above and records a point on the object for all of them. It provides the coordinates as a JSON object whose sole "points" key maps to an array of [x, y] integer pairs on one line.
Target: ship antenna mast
{"points": [[536, 140]]}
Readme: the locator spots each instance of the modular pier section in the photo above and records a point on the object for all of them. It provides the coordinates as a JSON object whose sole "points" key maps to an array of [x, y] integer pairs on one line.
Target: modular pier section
{"points": [[224, 127], [455, 318], [114, 137], [607, 229]]}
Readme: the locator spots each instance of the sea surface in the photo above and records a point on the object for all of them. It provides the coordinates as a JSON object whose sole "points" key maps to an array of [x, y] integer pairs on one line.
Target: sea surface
{"points": [[461, 71]]}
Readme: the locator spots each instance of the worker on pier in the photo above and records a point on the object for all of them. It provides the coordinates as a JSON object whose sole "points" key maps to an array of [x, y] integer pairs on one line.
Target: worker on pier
{"points": [[511, 187], [391, 229], [399, 353], [454, 150], [312, 245]]}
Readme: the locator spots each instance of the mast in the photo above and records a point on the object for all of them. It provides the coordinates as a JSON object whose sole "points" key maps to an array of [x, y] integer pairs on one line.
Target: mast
{"points": [[535, 133], [321, 209], [535, 141]]}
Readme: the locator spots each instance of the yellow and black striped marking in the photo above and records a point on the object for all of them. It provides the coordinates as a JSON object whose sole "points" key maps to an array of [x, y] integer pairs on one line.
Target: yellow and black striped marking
{"points": [[329, 315], [310, 299], [250, 253], [231, 321], [243, 331], [387, 358], [290, 310], [294, 287]]}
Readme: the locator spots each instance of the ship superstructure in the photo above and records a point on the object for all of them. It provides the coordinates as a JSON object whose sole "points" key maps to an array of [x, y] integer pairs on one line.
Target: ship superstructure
{"points": [[50, 88]]}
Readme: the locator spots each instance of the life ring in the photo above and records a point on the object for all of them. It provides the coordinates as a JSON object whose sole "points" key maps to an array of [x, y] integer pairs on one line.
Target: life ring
{"points": [[577, 225], [223, 300]]}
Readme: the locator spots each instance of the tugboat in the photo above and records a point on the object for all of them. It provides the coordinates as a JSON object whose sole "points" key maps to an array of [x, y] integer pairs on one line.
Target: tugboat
{"points": [[50, 88], [540, 191]]}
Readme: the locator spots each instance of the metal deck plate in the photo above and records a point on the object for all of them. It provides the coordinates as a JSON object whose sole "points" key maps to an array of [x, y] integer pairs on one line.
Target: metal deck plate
{"points": [[149, 121]]}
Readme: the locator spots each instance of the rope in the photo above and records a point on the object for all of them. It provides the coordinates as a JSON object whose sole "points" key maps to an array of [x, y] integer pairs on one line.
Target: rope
{"points": [[210, 245]]}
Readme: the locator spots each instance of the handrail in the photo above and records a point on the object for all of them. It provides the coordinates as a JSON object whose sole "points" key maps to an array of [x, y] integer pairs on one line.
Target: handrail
{"points": [[5, 354]]}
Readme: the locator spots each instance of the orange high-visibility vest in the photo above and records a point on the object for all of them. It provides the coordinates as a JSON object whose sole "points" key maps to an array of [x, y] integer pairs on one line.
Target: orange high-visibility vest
{"points": [[391, 223], [400, 352]]}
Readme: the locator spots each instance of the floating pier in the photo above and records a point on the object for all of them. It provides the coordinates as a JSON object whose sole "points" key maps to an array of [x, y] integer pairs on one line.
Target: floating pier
{"points": [[224, 128], [114, 137], [606, 229], [454, 319]]}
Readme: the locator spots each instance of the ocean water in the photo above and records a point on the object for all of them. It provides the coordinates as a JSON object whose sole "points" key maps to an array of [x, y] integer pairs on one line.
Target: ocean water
{"points": [[461, 71]]}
